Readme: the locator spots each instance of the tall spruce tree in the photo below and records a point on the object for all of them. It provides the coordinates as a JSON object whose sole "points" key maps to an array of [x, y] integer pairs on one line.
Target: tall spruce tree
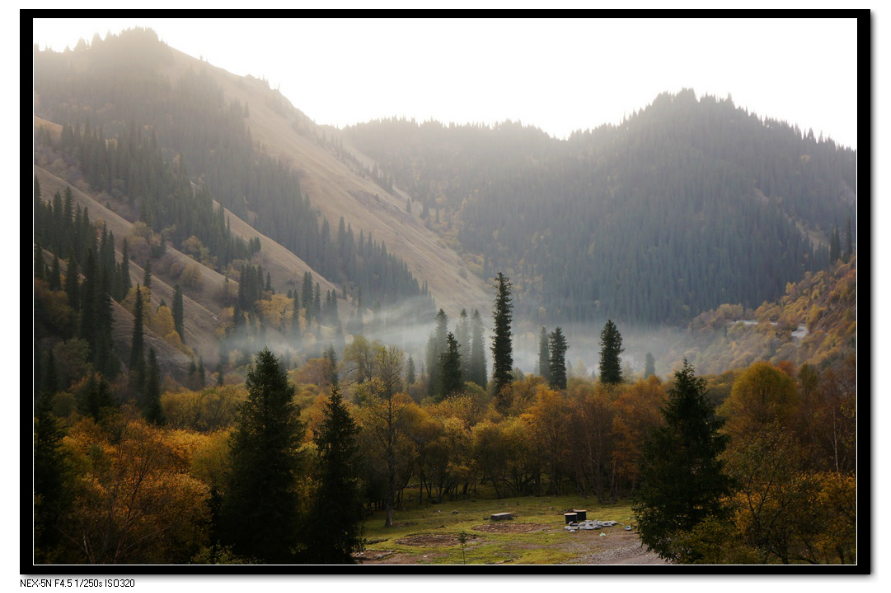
{"points": [[334, 526], [502, 345], [125, 283], [849, 244], [260, 513], [682, 478], [557, 364], [477, 351], [436, 346], [55, 278], [650, 366], [306, 297], [151, 404], [179, 313], [462, 334], [410, 372], [137, 344], [51, 471], [147, 274], [450, 374], [544, 355], [610, 349], [72, 284]]}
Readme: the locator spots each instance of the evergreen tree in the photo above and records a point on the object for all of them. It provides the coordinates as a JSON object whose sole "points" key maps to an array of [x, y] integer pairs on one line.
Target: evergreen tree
{"points": [[462, 334], [260, 511], [306, 297], [72, 284], [610, 349], [650, 367], [450, 368], [137, 344], [125, 283], [834, 246], [39, 264], [202, 377], [179, 313], [477, 351], [334, 527], [410, 372], [557, 366], [88, 294], [435, 347], [682, 479], [51, 494], [50, 381], [544, 355], [502, 347], [331, 356], [55, 278], [151, 404], [849, 244], [147, 275], [96, 399]]}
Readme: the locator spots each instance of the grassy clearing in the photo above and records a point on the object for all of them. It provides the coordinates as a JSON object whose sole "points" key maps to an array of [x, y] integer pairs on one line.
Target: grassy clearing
{"points": [[536, 535]]}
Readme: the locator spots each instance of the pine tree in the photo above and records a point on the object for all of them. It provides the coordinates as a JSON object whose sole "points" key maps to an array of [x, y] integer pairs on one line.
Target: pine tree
{"points": [[306, 297], [849, 245], [51, 470], [125, 283], [260, 511], [502, 347], [462, 334], [451, 378], [557, 365], [55, 278], [544, 355], [410, 372], [72, 284], [477, 351], [650, 367], [96, 399], [610, 349], [138, 341], [334, 527], [147, 275], [331, 356], [834, 246], [88, 294], [178, 313], [151, 404], [39, 264], [682, 478], [436, 345]]}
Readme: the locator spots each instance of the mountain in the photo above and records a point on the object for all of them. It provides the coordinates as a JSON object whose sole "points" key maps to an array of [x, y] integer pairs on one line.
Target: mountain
{"points": [[685, 205], [265, 161]]}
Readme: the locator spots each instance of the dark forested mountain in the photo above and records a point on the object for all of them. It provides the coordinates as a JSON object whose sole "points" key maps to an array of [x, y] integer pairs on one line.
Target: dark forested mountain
{"points": [[141, 129], [687, 204]]}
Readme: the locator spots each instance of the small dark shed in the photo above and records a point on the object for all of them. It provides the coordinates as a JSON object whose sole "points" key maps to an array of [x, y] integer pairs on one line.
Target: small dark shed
{"points": [[570, 517]]}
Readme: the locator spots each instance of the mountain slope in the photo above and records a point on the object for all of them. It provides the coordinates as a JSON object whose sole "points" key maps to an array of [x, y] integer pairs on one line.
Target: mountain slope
{"points": [[688, 204], [228, 129]]}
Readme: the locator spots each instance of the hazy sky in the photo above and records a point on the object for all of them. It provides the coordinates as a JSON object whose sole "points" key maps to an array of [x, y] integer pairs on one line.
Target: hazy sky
{"points": [[559, 75]]}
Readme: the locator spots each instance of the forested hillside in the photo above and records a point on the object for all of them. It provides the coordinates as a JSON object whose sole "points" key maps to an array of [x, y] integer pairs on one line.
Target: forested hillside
{"points": [[125, 110], [685, 205]]}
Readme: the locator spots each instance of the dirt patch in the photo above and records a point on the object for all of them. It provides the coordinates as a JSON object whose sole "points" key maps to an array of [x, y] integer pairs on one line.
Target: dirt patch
{"points": [[510, 527], [432, 539], [618, 547]]}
